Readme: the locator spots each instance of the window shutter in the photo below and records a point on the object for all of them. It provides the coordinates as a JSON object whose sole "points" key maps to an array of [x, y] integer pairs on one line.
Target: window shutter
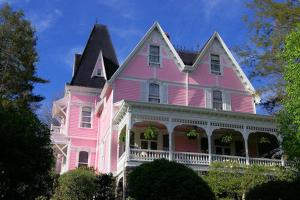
{"points": [[226, 101], [144, 91], [208, 95], [164, 93]]}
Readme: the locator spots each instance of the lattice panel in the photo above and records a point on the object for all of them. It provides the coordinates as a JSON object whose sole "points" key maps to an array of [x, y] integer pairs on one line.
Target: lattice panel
{"points": [[189, 121], [150, 118], [262, 129], [226, 125]]}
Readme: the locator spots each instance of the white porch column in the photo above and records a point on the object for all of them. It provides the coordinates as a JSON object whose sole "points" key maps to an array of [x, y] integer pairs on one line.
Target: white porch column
{"points": [[127, 139], [245, 136], [209, 135], [170, 132]]}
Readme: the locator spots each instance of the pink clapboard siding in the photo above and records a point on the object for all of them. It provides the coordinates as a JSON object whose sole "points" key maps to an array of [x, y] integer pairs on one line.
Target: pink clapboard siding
{"points": [[127, 89], [106, 115], [114, 151], [177, 95], [196, 97], [183, 144], [138, 67], [202, 76], [242, 103], [230, 80], [73, 160], [170, 72]]}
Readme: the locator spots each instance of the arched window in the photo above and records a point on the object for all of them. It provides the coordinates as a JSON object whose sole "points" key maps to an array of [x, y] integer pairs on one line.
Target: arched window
{"points": [[154, 93], [86, 117], [83, 159]]}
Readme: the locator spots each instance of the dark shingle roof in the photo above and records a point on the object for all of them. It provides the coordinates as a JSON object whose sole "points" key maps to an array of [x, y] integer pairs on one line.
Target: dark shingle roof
{"points": [[99, 40], [188, 57]]}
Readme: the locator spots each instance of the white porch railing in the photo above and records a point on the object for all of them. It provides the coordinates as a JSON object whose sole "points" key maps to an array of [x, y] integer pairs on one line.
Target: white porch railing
{"points": [[191, 158], [265, 162], [224, 158], [147, 155], [55, 129]]}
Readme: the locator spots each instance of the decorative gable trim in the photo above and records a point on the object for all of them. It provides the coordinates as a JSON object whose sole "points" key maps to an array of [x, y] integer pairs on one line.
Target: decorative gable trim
{"points": [[239, 72], [139, 45]]}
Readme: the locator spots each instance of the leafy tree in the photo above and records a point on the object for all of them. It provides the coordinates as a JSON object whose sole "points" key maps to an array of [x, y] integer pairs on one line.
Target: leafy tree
{"points": [[25, 154], [162, 179], [270, 23], [289, 117], [18, 57]]}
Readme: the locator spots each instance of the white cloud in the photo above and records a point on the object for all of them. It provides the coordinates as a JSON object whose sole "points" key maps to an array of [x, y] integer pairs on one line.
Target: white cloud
{"points": [[123, 8], [68, 58], [43, 22], [123, 32]]}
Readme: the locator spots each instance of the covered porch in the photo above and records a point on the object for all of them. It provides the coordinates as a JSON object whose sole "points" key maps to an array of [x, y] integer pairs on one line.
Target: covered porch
{"points": [[195, 136]]}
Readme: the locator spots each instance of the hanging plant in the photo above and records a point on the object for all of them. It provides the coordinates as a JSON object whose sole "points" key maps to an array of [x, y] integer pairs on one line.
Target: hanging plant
{"points": [[226, 139], [151, 133], [122, 136], [264, 140], [191, 134]]}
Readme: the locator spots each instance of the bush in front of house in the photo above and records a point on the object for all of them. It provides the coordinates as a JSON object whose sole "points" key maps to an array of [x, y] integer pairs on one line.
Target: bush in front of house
{"points": [[284, 190], [83, 184], [162, 179]]}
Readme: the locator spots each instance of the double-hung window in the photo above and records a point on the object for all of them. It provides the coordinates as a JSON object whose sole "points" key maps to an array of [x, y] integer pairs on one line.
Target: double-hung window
{"points": [[154, 59], [148, 144], [154, 93], [217, 100], [215, 66], [86, 117], [83, 160]]}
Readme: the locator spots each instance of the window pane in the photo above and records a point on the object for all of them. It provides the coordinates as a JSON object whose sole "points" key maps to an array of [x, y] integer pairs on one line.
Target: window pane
{"points": [[83, 157], [153, 90], [217, 95], [215, 64], [154, 54], [154, 100], [166, 142], [144, 144], [87, 109], [86, 119], [86, 125], [153, 145]]}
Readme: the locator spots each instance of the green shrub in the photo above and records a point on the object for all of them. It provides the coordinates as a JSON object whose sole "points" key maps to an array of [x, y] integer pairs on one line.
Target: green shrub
{"points": [[162, 179], [284, 190]]}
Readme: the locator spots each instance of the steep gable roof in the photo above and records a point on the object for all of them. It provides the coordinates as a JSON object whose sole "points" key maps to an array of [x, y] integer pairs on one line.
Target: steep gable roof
{"points": [[142, 41], [240, 73], [99, 41]]}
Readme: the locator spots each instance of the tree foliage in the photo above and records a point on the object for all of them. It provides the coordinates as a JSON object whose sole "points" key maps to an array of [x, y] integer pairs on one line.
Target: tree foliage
{"points": [[289, 117], [231, 181], [18, 57], [162, 179], [84, 183], [25, 154], [269, 24]]}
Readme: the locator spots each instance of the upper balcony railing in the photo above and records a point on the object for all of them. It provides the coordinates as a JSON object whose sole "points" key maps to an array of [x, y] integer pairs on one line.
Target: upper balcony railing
{"points": [[198, 159]]}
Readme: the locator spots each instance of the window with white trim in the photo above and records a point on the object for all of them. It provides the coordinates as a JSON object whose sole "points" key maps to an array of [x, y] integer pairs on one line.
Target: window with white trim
{"points": [[154, 96], [86, 117], [215, 66], [99, 72], [83, 160], [217, 100], [154, 59], [148, 144]]}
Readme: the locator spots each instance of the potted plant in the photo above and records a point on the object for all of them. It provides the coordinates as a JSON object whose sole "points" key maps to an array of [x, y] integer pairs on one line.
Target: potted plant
{"points": [[191, 134], [227, 138], [122, 136], [150, 133]]}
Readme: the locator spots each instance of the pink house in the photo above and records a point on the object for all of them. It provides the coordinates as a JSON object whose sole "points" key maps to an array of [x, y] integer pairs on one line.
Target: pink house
{"points": [[170, 92]]}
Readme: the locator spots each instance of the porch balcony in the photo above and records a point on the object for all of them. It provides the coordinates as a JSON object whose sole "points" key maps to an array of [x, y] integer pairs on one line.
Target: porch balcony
{"points": [[252, 137]]}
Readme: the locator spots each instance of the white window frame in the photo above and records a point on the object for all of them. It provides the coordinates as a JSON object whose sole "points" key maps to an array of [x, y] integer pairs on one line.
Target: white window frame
{"points": [[153, 64], [212, 99], [220, 73], [149, 142], [159, 92], [88, 161], [80, 117]]}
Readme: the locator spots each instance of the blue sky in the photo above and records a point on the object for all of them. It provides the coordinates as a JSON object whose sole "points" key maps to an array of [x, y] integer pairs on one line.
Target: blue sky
{"points": [[63, 27]]}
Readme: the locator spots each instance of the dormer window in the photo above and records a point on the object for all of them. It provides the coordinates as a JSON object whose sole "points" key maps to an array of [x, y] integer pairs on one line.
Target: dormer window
{"points": [[99, 72], [154, 59], [215, 66], [217, 100], [154, 93]]}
